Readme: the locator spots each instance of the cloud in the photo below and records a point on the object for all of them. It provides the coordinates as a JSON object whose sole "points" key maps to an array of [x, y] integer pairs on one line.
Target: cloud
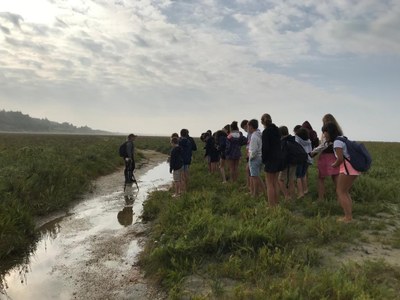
{"points": [[104, 63], [14, 19]]}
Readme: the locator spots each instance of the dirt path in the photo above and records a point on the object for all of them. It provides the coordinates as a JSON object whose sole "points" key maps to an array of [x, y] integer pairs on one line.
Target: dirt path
{"points": [[110, 271], [91, 252]]}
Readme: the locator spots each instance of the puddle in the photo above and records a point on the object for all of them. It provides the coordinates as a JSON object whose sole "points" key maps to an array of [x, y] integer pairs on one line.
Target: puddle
{"points": [[90, 245]]}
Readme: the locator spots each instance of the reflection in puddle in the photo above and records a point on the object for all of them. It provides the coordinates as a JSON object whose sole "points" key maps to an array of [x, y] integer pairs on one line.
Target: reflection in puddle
{"points": [[44, 273]]}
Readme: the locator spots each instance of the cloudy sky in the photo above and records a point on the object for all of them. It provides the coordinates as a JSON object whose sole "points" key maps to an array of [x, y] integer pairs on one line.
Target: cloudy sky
{"points": [[156, 66]]}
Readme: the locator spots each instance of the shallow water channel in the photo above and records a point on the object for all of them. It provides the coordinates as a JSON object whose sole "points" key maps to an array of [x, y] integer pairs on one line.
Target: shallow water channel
{"points": [[90, 252]]}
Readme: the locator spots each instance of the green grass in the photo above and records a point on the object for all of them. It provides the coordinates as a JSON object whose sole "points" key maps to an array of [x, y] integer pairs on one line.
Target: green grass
{"points": [[238, 246], [218, 232], [44, 173]]}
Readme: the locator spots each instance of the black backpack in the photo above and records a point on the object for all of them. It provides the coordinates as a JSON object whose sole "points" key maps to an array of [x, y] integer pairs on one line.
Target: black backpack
{"points": [[360, 158], [123, 152], [293, 152]]}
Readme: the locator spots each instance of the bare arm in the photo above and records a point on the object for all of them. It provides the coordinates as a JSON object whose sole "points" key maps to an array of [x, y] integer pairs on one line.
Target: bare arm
{"points": [[339, 157]]}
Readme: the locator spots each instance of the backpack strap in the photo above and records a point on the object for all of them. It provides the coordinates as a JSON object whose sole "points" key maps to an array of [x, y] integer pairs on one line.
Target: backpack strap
{"points": [[344, 139]]}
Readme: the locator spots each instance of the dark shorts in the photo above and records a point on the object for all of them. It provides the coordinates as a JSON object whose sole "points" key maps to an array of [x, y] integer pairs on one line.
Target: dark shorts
{"points": [[274, 166], [301, 170]]}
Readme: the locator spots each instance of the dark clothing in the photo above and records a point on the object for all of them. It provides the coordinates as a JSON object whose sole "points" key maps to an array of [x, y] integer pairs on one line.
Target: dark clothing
{"points": [[220, 138], [211, 150], [186, 147], [313, 134], [271, 149], [176, 160], [234, 142], [194, 146], [130, 149], [130, 163]]}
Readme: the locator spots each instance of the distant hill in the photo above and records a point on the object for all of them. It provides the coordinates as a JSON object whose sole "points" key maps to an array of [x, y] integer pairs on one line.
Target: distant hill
{"points": [[15, 121]]}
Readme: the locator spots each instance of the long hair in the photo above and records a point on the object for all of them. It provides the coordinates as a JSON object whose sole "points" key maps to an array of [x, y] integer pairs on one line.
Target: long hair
{"points": [[329, 118], [332, 130]]}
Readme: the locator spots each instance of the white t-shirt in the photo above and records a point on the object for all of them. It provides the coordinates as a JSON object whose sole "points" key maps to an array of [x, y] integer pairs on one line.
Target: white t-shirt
{"points": [[340, 144]]}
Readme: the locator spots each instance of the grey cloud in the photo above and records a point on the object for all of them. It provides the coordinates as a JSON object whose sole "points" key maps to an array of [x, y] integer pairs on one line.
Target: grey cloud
{"points": [[32, 63], [5, 29], [38, 48], [141, 42], [60, 23], [85, 61], [89, 44], [13, 18]]}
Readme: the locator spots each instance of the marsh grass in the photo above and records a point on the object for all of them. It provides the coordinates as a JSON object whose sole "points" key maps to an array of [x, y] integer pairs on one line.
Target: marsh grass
{"points": [[40, 174], [218, 231]]}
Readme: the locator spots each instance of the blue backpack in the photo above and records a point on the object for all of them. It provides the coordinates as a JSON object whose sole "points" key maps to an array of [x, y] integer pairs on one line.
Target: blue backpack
{"points": [[360, 159]]}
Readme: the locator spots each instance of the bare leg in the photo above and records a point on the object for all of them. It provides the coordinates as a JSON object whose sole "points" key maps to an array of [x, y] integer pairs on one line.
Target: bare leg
{"points": [[343, 193]]}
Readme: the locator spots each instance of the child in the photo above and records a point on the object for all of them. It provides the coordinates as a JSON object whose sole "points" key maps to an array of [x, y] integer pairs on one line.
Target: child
{"points": [[175, 165], [303, 138]]}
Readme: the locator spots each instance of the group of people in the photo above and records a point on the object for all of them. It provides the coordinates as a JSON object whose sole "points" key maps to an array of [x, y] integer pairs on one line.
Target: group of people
{"points": [[268, 148], [180, 159], [265, 149]]}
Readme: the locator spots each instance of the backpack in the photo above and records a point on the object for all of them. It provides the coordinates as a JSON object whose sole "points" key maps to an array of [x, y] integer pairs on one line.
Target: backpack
{"points": [[360, 159], [293, 152], [123, 152]]}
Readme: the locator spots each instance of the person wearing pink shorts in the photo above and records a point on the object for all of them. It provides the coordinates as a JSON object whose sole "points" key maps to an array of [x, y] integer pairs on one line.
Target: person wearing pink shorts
{"points": [[326, 158], [347, 174]]}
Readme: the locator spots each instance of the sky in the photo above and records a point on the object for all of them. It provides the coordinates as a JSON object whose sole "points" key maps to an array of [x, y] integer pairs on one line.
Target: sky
{"points": [[157, 66]]}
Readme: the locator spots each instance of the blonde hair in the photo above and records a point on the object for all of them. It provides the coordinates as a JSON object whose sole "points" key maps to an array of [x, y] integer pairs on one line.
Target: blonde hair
{"points": [[329, 118]]}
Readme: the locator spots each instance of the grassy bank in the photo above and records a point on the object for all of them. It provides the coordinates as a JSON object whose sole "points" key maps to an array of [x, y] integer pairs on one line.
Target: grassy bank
{"points": [[218, 242], [40, 174]]}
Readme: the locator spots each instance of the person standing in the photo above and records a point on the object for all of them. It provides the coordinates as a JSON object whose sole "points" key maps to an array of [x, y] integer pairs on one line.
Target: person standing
{"points": [[255, 158], [271, 157], [176, 166], [287, 176], [220, 141], [129, 158], [234, 142], [347, 174], [326, 158], [302, 137], [187, 148]]}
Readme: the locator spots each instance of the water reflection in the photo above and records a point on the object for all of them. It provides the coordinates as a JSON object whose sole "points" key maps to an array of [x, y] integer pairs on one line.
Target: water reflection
{"points": [[125, 216], [63, 242]]}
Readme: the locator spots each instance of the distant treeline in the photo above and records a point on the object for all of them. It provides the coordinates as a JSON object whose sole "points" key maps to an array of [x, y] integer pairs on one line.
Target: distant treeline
{"points": [[11, 121]]}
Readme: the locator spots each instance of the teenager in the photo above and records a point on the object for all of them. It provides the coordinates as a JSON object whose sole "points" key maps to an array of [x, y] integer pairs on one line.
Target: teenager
{"points": [[176, 165], [326, 158], [255, 158], [187, 148], [287, 176], [271, 157], [234, 142], [129, 159], [347, 174], [302, 137]]}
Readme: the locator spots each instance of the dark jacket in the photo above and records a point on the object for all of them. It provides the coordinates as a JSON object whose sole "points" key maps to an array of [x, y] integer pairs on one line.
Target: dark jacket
{"points": [[211, 149], [176, 161], [234, 142], [194, 146], [130, 149], [271, 144], [186, 146]]}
